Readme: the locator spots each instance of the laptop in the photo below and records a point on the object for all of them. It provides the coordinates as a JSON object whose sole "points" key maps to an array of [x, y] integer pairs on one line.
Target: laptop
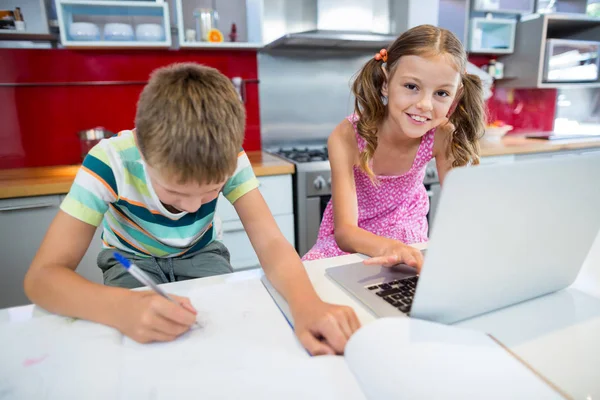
{"points": [[503, 234]]}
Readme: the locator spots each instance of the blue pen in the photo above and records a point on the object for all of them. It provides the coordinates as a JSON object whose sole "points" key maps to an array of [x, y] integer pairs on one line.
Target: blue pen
{"points": [[143, 278]]}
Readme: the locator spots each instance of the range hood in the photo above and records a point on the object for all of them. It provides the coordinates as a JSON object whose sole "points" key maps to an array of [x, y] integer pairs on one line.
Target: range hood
{"points": [[333, 39], [347, 24]]}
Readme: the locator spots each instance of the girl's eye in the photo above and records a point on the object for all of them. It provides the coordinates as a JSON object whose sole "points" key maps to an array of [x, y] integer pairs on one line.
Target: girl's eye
{"points": [[442, 93], [410, 86]]}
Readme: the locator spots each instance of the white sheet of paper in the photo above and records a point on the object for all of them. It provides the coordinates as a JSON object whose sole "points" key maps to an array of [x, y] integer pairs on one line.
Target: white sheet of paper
{"points": [[416, 359], [54, 357], [243, 349]]}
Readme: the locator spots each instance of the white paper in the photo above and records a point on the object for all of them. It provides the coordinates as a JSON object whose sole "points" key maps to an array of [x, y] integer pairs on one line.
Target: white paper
{"points": [[59, 358], [413, 359], [243, 349]]}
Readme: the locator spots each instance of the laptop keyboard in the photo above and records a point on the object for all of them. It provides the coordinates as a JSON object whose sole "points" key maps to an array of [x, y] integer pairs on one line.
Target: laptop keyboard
{"points": [[398, 293]]}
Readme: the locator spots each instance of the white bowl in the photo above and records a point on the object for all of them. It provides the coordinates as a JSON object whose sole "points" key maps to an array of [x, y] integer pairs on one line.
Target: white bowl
{"points": [[150, 32], [84, 31], [496, 132], [118, 31]]}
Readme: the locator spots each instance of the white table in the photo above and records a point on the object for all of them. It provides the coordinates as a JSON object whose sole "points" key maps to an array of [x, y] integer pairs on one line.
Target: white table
{"points": [[556, 335]]}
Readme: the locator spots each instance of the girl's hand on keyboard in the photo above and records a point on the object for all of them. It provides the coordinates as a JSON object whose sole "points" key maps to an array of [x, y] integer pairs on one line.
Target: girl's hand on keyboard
{"points": [[396, 252]]}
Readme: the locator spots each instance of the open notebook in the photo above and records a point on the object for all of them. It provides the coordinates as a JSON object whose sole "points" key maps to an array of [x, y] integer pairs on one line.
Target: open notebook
{"points": [[245, 349]]}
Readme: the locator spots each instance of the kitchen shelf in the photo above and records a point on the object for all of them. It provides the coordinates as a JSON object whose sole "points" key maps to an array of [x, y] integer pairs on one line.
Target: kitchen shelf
{"points": [[30, 37], [528, 59], [102, 12], [244, 13], [513, 7], [492, 35], [221, 45]]}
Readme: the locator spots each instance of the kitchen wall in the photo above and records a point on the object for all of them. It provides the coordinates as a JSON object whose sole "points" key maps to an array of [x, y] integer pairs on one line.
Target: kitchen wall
{"points": [[47, 96], [304, 94]]}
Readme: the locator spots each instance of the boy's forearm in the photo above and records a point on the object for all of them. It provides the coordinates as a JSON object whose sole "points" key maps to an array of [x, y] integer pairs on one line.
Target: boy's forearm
{"points": [[291, 279], [82, 298]]}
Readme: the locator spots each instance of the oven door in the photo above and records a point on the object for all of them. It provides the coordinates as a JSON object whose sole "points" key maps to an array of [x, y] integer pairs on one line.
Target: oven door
{"points": [[315, 207]]}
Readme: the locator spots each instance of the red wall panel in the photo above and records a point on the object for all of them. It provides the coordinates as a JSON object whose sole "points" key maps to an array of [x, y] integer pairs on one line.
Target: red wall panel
{"points": [[525, 109], [47, 96]]}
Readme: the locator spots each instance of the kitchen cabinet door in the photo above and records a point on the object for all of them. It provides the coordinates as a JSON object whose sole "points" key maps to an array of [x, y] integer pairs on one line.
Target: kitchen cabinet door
{"points": [[23, 224], [238, 243], [277, 192]]}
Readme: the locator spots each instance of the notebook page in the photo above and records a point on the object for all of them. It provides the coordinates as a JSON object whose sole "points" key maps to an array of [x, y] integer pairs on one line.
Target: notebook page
{"points": [[54, 357], [244, 348], [414, 359]]}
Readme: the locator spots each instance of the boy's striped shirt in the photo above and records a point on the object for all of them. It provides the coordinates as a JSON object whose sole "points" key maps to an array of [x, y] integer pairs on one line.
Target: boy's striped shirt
{"points": [[112, 188]]}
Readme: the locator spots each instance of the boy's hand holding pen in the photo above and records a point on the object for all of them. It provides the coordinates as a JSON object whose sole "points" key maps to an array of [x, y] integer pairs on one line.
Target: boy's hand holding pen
{"points": [[156, 315]]}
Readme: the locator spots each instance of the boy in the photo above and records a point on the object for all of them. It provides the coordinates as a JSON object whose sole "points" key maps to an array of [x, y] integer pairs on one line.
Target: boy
{"points": [[155, 189]]}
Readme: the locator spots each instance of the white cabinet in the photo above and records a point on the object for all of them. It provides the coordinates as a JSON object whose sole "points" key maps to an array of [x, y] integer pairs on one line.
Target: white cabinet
{"points": [[556, 154], [277, 191], [114, 23], [23, 224]]}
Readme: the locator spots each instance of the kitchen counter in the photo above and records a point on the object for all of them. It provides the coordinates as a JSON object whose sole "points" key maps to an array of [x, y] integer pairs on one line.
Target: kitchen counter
{"points": [[521, 145], [42, 181]]}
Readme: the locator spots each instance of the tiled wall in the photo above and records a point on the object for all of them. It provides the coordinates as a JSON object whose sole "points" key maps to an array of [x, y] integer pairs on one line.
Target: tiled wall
{"points": [[47, 96]]}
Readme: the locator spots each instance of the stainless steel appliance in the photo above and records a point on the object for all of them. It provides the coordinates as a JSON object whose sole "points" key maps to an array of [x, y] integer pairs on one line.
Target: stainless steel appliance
{"points": [[312, 190], [571, 61]]}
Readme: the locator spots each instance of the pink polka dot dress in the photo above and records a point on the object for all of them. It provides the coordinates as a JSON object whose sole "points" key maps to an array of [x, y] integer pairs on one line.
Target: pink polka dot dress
{"points": [[395, 209]]}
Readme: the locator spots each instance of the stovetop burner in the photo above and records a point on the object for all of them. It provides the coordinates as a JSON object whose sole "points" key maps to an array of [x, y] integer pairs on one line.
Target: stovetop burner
{"points": [[304, 155]]}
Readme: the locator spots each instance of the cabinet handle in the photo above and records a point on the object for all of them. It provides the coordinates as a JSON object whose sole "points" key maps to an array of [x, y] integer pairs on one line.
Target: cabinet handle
{"points": [[25, 207]]}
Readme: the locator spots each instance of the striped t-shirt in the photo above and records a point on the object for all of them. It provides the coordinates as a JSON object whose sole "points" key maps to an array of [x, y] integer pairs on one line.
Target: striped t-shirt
{"points": [[112, 188]]}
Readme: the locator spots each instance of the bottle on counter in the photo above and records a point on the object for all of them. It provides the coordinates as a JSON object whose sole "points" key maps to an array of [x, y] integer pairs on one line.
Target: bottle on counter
{"points": [[499, 70], [233, 33], [19, 21], [491, 69]]}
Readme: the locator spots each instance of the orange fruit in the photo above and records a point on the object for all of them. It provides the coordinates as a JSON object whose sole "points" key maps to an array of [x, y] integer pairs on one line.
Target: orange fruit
{"points": [[214, 35]]}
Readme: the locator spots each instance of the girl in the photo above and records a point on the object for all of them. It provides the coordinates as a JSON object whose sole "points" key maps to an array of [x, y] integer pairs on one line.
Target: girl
{"points": [[414, 102]]}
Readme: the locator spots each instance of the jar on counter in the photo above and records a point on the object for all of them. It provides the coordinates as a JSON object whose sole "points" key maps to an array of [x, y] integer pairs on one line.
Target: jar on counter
{"points": [[88, 138]]}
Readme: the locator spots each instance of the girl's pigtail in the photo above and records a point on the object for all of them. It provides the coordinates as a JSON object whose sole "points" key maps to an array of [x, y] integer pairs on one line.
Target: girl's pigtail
{"points": [[370, 108], [469, 121]]}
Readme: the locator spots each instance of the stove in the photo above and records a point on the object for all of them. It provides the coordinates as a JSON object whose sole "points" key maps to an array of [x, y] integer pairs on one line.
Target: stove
{"points": [[312, 190], [304, 155]]}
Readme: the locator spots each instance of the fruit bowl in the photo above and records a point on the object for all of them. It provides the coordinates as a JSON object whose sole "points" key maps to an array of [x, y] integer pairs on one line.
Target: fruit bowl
{"points": [[496, 132]]}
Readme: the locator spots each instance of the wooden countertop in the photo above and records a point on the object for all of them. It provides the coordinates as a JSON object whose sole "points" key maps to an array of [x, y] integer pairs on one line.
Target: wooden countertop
{"points": [[42, 181], [521, 145], [57, 180]]}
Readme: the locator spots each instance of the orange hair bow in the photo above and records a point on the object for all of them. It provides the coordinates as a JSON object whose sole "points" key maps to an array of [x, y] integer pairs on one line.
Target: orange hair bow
{"points": [[382, 55]]}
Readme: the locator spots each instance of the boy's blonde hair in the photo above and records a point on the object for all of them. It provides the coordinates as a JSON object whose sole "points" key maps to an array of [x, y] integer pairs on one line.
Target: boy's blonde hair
{"points": [[190, 124]]}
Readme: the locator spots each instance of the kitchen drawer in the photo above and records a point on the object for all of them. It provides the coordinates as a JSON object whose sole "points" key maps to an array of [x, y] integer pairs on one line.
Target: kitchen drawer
{"points": [[277, 191], [551, 154], [497, 159], [243, 255], [23, 224]]}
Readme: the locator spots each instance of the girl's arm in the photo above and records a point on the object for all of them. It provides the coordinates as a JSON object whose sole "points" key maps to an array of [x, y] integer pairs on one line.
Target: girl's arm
{"points": [[343, 156], [441, 143]]}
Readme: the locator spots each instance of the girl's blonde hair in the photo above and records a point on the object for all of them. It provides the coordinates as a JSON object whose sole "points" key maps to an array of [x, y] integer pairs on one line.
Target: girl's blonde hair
{"points": [[468, 117]]}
